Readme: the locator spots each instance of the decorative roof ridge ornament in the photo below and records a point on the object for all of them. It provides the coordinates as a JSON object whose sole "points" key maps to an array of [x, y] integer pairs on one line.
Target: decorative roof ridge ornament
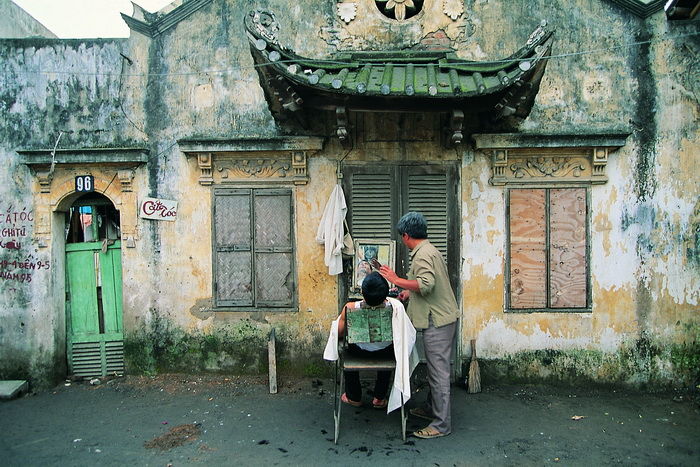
{"points": [[537, 34], [154, 24], [265, 23]]}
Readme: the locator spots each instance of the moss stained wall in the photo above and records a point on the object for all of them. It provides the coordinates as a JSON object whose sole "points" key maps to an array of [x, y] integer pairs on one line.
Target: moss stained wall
{"points": [[54, 93], [197, 80]]}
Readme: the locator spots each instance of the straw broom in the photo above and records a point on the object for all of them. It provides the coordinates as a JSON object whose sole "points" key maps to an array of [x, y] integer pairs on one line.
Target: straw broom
{"points": [[474, 372]]}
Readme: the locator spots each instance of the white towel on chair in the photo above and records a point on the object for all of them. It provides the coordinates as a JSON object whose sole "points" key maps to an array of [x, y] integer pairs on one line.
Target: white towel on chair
{"points": [[331, 352], [405, 353]]}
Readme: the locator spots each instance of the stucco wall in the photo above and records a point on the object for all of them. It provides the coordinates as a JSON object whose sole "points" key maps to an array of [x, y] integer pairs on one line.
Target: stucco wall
{"points": [[54, 93], [196, 80]]}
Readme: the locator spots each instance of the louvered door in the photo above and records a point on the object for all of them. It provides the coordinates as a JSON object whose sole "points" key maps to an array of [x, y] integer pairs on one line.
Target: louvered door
{"points": [[380, 195]]}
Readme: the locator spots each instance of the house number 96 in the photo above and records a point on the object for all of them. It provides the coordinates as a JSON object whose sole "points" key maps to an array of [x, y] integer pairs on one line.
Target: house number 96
{"points": [[84, 183]]}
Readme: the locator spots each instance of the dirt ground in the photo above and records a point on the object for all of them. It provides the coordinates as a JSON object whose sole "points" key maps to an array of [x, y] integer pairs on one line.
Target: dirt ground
{"points": [[183, 420]]}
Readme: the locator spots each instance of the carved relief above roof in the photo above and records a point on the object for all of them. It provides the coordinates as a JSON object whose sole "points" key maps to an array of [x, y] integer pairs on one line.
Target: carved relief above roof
{"points": [[400, 10], [397, 24]]}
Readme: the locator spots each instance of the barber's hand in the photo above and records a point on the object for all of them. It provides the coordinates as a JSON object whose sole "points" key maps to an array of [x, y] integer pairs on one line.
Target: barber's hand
{"points": [[403, 295], [388, 274]]}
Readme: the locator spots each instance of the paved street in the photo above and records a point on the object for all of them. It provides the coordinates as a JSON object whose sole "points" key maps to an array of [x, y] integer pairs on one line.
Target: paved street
{"points": [[184, 420]]}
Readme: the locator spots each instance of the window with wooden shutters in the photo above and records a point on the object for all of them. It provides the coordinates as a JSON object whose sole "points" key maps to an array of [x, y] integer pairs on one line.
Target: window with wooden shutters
{"points": [[378, 195], [253, 248], [548, 250]]}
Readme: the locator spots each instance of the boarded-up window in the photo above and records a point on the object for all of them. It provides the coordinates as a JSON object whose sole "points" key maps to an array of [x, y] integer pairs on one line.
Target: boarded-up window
{"points": [[378, 195], [253, 248], [548, 249]]}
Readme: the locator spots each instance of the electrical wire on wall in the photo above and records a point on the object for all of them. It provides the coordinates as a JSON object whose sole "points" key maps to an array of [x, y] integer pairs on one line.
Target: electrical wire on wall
{"points": [[335, 62], [121, 98]]}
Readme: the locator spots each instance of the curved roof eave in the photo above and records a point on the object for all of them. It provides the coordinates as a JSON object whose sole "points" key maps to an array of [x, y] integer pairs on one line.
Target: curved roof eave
{"points": [[397, 80]]}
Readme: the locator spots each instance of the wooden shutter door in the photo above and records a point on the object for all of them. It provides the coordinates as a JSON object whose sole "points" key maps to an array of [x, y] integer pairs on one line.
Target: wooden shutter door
{"points": [[380, 195], [528, 248], [232, 230], [568, 256], [274, 273]]}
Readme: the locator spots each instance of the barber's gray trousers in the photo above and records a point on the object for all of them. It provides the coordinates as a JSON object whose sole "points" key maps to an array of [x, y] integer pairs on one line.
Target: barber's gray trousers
{"points": [[438, 344]]}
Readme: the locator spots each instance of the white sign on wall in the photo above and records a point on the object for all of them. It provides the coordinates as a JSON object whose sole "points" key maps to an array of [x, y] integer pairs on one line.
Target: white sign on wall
{"points": [[158, 209]]}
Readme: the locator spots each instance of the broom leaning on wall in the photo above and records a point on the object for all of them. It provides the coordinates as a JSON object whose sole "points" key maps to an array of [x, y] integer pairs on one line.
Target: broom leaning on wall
{"points": [[474, 372]]}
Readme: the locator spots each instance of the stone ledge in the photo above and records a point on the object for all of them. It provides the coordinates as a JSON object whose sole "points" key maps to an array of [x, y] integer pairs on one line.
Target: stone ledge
{"points": [[13, 388]]}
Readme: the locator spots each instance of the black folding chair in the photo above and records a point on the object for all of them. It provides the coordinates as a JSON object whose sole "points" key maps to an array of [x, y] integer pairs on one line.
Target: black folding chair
{"points": [[369, 324]]}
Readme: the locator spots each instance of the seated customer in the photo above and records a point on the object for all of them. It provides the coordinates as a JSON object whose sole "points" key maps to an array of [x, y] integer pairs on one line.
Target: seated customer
{"points": [[374, 293]]}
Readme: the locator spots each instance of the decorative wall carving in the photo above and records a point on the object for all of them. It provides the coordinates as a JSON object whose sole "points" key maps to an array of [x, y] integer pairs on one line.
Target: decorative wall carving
{"points": [[258, 168], [453, 8], [553, 166], [347, 11], [281, 160], [522, 159], [556, 167]]}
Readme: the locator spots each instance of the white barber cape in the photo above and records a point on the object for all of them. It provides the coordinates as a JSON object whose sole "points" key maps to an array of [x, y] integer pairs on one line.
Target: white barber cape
{"points": [[330, 231], [405, 353]]}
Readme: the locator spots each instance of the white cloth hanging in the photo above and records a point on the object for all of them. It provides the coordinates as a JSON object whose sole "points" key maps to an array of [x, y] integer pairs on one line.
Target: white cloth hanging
{"points": [[330, 231]]}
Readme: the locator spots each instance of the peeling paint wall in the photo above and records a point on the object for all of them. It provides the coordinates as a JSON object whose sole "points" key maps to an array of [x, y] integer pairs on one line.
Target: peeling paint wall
{"points": [[611, 71]]}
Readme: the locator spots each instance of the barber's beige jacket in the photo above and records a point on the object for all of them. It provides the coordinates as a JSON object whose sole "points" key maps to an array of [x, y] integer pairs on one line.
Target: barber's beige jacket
{"points": [[435, 298]]}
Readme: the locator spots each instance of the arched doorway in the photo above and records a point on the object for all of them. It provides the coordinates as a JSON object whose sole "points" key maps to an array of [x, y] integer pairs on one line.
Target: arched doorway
{"points": [[94, 330]]}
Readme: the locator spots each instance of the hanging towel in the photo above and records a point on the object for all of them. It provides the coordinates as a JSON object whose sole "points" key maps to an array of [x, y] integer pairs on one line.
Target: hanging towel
{"points": [[330, 231], [405, 353]]}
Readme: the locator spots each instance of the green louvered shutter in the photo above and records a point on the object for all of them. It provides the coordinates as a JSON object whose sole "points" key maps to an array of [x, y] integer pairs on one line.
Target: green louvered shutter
{"points": [[427, 194], [371, 204]]}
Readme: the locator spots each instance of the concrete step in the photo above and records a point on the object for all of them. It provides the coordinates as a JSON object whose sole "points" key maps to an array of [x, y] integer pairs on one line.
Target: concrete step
{"points": [[13, 388]]}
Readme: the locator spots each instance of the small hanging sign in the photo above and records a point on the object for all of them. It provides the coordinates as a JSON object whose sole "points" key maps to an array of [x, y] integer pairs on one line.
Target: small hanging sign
{"points": [[158, 209]]}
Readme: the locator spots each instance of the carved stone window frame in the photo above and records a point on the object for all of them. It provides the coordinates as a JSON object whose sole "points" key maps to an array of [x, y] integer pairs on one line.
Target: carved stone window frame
{"points": [[272, 160], [535, 159]]}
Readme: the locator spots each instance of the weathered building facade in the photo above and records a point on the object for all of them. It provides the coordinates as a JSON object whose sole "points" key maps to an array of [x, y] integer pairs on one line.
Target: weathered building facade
{"points": [[163, 193]]}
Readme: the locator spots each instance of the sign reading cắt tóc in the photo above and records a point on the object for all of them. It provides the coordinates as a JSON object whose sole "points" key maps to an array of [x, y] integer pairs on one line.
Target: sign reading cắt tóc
{"points": [[158, 209]]}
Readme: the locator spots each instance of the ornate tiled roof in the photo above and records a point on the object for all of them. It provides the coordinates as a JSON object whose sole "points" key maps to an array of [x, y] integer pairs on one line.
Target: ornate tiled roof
{"points": [[406, 80]]}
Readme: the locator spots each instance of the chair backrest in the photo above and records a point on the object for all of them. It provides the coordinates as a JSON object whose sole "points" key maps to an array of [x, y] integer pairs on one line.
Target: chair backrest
{"points": [[369, 324]]}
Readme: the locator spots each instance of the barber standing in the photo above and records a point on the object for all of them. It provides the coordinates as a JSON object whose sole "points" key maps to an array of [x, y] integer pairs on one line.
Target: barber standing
{"points": [[433, 309]]}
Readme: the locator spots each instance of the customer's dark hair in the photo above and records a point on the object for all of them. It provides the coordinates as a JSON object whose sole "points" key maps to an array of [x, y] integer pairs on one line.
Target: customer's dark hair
{"points": [[374, 289], [413, 224]]}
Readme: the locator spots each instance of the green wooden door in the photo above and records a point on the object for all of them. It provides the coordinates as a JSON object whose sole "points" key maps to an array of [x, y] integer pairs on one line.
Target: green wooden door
{"points": [[94, 309]]}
